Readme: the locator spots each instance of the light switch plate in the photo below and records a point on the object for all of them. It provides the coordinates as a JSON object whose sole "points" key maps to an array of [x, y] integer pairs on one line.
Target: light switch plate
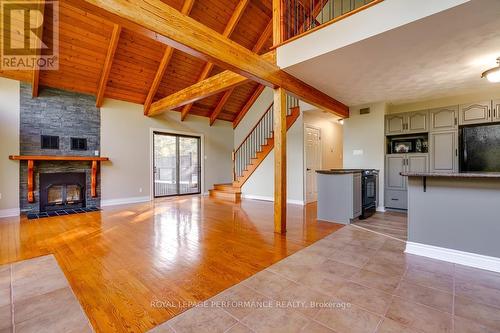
{"points": [[357, 152]]}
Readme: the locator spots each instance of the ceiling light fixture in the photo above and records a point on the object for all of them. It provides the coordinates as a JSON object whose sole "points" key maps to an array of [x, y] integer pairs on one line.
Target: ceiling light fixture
{"points": [[341, 121], [493, 74]]}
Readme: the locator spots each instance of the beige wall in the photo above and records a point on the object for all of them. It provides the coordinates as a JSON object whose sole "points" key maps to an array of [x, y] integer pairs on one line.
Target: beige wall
{"points": [[125, 139], [364, 141], [9, 145], [331, 138], [482, 95]]}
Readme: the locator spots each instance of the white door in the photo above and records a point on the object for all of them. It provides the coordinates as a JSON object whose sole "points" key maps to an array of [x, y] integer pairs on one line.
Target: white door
{"points": [[313, 162]]}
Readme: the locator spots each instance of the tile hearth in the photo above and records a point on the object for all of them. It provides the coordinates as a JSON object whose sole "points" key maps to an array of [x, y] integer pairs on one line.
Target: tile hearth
{"points": [[32, 216]]}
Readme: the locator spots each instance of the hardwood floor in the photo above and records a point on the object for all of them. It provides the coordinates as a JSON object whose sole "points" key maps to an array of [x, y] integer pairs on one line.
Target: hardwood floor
{"points": [[133, 267], [394, 224]]}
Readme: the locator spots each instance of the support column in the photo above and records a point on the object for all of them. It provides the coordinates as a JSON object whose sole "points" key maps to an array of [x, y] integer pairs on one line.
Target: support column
{"points": [[279, 160]]}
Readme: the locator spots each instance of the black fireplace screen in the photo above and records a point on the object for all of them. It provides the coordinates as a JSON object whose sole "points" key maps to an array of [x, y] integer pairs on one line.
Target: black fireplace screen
{"points": [[62, 190]]}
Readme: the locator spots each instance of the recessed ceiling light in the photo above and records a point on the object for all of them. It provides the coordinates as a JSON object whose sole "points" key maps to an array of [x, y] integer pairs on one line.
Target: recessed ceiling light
{"points": [[493, 74]]}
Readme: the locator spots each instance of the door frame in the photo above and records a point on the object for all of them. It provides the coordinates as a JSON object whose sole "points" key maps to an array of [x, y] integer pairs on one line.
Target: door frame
{"points": [[304, 166], [152, 131]]}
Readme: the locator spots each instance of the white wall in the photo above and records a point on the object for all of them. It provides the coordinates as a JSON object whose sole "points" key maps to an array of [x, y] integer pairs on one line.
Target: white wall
{"points": [[9, 145], [260, 185], [364, 141], [375, 20], [331, 138], [125, 139]]}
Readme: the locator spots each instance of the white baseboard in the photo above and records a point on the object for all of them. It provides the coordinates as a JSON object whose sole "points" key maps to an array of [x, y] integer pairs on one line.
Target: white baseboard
{"points": [[10, 212], [266, 198], [454, 256], [380, 209], [124, 201]]}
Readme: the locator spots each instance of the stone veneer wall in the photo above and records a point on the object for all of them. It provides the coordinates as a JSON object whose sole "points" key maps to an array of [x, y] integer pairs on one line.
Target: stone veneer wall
{"points": [[65, 114]]}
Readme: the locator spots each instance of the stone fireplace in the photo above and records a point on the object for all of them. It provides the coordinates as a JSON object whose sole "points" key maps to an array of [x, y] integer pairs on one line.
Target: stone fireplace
{"points": [[59, 123]]}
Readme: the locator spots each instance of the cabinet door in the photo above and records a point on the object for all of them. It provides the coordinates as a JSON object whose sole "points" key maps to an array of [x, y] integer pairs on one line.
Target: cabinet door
{"points": [[357, 195], [417, 163], [395, 164], [444, 119], [496, 110], [444, 151], [395, 124], [417, 122], [475, 113]]}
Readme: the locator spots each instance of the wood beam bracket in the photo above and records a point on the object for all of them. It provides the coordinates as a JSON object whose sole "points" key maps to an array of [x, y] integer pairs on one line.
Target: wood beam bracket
{"points": [[31, 197], [93, 180]]}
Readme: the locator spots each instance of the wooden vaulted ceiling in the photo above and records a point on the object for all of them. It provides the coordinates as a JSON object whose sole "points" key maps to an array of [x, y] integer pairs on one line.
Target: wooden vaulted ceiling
{"points": [[84, 41]]}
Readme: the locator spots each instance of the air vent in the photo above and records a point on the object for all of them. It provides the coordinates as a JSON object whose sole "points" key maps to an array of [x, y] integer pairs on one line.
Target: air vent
{"points": [[364, 111], [50, 142], [78, 144]]}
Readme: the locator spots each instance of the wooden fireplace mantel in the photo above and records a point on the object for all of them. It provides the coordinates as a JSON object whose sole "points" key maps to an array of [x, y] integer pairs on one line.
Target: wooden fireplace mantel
{"points": [[32, 158]]}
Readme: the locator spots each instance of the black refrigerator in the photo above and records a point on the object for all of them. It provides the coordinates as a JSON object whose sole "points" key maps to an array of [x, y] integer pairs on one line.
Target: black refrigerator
{"points": [[480, 148]]}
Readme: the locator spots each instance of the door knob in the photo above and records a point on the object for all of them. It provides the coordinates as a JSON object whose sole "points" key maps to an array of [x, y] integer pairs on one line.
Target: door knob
{"points": [[308, 169]]}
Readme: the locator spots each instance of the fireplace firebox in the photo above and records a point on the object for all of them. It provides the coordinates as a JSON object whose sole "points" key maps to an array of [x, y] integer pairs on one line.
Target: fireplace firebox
{"points": [[62, 190]]}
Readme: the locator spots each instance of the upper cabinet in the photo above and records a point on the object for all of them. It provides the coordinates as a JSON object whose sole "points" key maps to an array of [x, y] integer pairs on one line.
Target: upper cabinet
{"points": [[444, 119], [496, 110], [395, 124], [407, 123], [475, 113], [417, 122], [443, 148]]}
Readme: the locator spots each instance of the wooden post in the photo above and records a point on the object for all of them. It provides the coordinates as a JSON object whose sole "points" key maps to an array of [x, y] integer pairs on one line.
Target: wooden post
{"points": [[277, 22], [93, 180], [31, 197], [279, 161]]}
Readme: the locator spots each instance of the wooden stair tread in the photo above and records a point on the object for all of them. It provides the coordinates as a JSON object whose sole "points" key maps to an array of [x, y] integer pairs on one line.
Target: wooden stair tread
{"points": [[224, 195]]}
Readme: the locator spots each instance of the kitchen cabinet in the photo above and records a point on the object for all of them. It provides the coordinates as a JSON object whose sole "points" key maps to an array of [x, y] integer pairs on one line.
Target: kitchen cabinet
{"points": [[417, 122], [475, 113], [417, 163], [395, 124], [357, 194], [496, 110], [443, 148], [396, 199], [407, 123], [443, 119], [394, 165]]}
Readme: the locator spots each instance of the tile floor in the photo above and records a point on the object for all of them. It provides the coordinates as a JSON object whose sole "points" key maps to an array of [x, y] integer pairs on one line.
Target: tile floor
{"points": [[36, 297], [352, 281]]}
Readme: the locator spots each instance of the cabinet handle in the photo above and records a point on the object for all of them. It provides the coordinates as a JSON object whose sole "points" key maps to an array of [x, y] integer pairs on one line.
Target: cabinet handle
{"points": [[456, 121], [394, 199], [489, 113]]}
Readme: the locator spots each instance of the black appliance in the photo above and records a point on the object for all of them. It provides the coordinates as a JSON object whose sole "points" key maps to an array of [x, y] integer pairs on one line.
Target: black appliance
{"points": [[404, 145], [480, 148], [368, 193]]}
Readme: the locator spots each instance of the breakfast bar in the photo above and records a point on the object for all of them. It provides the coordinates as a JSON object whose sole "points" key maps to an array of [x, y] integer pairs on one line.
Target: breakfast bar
{"points": [[455, 217]]}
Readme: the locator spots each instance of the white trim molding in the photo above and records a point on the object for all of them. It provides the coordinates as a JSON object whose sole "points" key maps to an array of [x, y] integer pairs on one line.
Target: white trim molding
{"points": [[454, 256], [266, 198], [124, 201], [10, 212]]}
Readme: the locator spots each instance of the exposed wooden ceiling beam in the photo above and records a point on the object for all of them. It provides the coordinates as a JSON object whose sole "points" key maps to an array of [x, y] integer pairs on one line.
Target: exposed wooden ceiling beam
{"points": [[35, 80], [167, 55], [259, 45], [228, 30], [248, 105], [108, 62], [192, 37]]}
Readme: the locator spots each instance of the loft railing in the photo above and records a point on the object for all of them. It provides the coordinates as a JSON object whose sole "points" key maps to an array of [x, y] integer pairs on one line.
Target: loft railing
{"points": [[257, 138], [302, 16]]}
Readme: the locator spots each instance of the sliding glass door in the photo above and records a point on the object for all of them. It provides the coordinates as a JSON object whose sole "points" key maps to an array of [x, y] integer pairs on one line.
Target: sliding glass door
{"points": [[176, 164]]}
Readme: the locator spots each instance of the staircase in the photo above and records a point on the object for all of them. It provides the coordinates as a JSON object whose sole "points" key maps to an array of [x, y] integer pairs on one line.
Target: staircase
{"points": [[253, 150]]}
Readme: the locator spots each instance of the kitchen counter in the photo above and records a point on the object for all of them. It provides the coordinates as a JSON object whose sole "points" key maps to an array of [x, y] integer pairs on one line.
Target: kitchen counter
{"points": [[453, 174], [339, 171]]}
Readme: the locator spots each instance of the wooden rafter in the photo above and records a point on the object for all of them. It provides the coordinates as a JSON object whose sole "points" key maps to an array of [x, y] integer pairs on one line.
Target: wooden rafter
{"points": [[248, 105], [35, 81], [228, 30], [257, 48], [192, 37], [108, 62], [167, 56]]}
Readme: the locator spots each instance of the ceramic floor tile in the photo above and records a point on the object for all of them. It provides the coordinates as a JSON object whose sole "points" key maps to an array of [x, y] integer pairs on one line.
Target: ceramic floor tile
{"points": [[351, 319], [479, 313], [439, 281], [268, 283], [351, 258], [419, 317], [239, 328], [430, 265], [477, 276], [463, 325], [5, 316], [55, 302], [162, 328], [338, 269], [314, 327], [431, 297], [6, 330], [391, 326], [385, 268], [387, 283], [322, 281], [202, 319], [394, 245], [5, 285], [239, 300], [275, 320], [368, 298], [310, 301], [478, 292]]}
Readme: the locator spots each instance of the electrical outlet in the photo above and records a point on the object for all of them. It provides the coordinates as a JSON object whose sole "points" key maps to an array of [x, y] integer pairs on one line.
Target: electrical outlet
{"points": [[140, 189]]}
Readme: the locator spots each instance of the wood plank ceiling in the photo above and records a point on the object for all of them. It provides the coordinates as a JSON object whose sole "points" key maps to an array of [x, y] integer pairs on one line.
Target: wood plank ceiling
{"points": [[84, 42]]}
